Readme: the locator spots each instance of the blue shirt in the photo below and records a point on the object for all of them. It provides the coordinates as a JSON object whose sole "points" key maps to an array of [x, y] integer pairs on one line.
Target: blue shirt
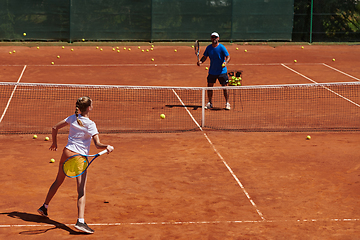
{"points": [[217, 58]]}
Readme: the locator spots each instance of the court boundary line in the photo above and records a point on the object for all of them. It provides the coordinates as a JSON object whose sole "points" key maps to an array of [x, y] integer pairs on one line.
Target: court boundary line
{"points": [[357, 79], [12, 94], [310, 220], [150, 64], [221, 157], [337, 94]]}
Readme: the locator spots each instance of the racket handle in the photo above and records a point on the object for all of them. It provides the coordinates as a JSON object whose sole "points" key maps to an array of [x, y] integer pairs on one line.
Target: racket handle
{"points": [[102, 152]]}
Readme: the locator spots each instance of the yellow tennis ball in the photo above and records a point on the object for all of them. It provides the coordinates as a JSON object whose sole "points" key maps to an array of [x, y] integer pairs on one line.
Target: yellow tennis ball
{"points": [[52, 160], [333, 59], [245, 50], [129, 49], [118, 50], [124, 48], [97, 47], [24, 34], [58, 56], [206, 68], [138, 47], [237, 48], [302, 47], [47, 139], [83, 40], [175, 50], [101, 49], [72, 49], [14, 51], [295, 61], [10, 52], [152, 59], [35, 136], [38, 47], [308, 137], [52, 63], [62, 47], [162, 116]]}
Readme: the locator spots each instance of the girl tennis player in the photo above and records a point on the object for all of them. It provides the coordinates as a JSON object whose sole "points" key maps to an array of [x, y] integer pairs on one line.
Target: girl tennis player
{"points": [[82, 130]]}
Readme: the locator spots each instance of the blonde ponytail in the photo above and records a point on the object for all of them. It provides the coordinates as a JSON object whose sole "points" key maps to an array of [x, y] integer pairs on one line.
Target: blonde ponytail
{"points": [[81, 104]]}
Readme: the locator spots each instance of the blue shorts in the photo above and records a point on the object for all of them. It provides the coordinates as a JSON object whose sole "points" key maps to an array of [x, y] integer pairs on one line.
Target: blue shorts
{"points": [[223, 78]]}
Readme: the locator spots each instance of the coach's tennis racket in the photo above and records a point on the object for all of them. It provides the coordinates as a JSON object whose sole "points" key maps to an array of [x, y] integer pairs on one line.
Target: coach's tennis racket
{"points": [[77, 164], [197, 50]]}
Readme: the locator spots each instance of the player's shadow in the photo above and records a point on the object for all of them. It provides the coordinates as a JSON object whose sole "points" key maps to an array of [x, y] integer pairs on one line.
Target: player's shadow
{"points": [[28, 217], [194, 107]]}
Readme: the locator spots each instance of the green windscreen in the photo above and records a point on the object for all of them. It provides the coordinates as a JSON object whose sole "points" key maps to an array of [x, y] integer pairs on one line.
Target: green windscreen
{"points": [[146, 20]]}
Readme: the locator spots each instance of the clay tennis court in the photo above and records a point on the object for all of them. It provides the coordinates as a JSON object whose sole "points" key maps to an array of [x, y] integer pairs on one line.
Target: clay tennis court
{"points": [[201, 184]]}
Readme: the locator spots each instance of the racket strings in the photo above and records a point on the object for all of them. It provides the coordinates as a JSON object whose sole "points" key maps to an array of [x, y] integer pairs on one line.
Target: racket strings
{"points": [[75, 166]]}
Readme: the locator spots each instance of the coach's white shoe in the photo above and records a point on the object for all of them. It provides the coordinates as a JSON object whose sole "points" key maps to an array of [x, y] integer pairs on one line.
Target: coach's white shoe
{"points": [[209, 105], [227, 106]]}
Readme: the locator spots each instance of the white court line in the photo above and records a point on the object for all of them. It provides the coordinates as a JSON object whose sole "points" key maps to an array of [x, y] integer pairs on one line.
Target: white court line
{"points": [[151, 64], [8, 103], [357, 79], [339, 95], [189, 222], [223, 160]]}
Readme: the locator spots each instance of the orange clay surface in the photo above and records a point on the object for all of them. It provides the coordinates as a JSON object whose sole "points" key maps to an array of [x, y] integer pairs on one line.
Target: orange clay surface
{"points": [[192, 185]]}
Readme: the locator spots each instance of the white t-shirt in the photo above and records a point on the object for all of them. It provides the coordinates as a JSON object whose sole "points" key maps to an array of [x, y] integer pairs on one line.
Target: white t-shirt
{"points": [[79, 138]]}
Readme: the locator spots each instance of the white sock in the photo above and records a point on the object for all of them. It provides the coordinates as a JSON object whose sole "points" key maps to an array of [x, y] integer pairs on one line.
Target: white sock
{"points": [[81, 220]]}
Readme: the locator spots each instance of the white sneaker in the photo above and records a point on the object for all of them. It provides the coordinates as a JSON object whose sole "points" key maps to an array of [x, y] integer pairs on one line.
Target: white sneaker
{"points": [[208, 105], [227, 106]]}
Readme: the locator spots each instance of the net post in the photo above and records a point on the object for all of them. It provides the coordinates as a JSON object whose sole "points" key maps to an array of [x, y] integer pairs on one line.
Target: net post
{"points": [[203, 108]]}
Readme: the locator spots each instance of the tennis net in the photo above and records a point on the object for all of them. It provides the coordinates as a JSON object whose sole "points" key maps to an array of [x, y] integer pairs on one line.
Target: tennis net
{"points": [[35, 108]]}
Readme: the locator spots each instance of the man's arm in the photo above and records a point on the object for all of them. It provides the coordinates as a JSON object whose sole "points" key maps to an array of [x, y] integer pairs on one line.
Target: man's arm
{"points": [[203, 59]]}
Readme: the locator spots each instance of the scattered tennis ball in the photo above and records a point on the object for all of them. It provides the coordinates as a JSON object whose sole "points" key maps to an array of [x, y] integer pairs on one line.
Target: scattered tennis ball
{"points": [[192, 46], [72, 49], [175, 50], [142, 50], [97, 47], [117, 47], [308, 137], [129, 49], [52, 63], [62, 47], [52, 160], [302, 47], [151, 49], [47, 139], [152, 46], [58, 56], [245, 50], [237, 48], [10, 52], [124, 48], [147, 50], [101, 49], [118, 51], [35, 136], [24, 34], [14, 51], [206, 68], [138, 47], [223, 65], [152, 59], [295, 61], [162, 116], [38, 47], [113, 49], [333, 59], [83, 40]]}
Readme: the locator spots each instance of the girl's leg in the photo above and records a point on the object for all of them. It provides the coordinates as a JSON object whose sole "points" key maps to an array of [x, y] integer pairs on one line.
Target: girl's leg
{"points": [[81, 187], [60, 176]]}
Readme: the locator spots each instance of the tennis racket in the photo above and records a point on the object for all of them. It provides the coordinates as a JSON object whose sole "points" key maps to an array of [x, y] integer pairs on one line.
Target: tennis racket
{"points": [[77, 164], [197, 50]]}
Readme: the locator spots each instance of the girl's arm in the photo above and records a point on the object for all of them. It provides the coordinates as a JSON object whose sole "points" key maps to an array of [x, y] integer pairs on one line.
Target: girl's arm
{"points": [[100, 145], [54, 133]]}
